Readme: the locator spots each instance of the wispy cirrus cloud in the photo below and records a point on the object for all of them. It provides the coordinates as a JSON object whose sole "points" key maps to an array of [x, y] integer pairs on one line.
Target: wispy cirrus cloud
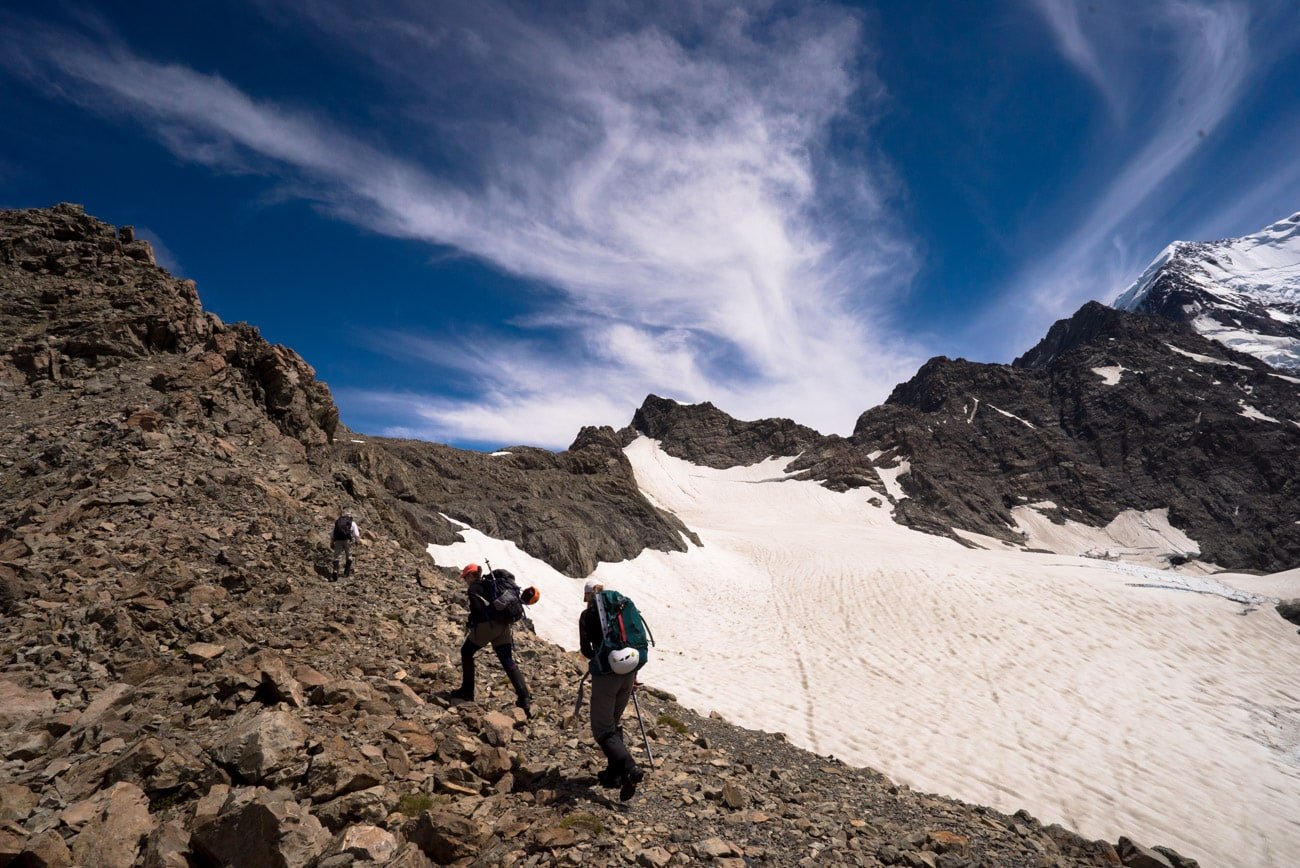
{"points": [[667, 174], [1172, 73], [1065, 20]]}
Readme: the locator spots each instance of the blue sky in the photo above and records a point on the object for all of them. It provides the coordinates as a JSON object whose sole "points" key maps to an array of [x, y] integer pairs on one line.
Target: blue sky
{"points": [[491, 223]]}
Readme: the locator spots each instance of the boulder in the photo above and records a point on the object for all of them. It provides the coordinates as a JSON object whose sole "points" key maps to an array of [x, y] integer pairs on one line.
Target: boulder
{"points": [[1290, 610], [1134, 855], [445, 837], [16, 802], [258, 746], [364, 844], [168, 847], [337, 770], [371, 805], [45, 850], [260, 828], [117, 822]]}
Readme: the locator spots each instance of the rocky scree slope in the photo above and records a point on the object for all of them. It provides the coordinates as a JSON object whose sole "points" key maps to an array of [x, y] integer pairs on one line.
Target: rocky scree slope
{"points": [[179, 686]]}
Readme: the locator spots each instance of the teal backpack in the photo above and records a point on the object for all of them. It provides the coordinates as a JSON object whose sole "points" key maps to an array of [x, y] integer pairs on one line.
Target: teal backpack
{"points": [[622, 627]]}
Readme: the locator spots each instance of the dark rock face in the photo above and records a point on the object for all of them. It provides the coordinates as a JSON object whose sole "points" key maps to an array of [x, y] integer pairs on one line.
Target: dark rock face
{"points": [[703, 434], [1181, 428], [572, 509], [1089, 323], [79, 300]]}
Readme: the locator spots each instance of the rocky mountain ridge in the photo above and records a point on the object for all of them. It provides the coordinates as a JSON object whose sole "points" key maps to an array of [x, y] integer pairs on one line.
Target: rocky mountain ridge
{"points": [[1242, 292], [181, 686], [1111, 411]]}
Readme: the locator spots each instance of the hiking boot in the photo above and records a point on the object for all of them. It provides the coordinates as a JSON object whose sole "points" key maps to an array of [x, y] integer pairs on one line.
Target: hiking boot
{"points": [[347, 573], [609, 778], [525, 702], [460, 694], [631, 778]]}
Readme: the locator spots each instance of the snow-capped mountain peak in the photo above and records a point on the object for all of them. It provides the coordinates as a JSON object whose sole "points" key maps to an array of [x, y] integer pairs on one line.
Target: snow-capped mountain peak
{"points": [[1243, 292]]}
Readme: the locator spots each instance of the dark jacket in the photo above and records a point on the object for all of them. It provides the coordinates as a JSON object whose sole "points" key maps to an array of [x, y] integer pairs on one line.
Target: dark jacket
{"points": [[589, 633]]}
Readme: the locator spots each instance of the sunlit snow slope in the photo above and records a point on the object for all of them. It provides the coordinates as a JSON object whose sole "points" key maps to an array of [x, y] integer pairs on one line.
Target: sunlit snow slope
{"points": [[1112, 698], [1243, 292]]}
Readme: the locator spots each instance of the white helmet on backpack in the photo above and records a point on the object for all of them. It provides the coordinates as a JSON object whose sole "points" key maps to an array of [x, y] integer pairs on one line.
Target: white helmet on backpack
{"points": [[624, 660]]}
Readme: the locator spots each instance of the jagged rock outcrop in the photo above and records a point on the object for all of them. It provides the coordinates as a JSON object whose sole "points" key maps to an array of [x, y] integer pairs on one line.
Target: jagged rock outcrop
{"points": [[703, 434], [1110, 411], [572, 509], [179, 686], [83, 298]]}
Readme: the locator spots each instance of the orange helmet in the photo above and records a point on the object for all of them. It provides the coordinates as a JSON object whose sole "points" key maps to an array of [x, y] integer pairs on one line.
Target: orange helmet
{"points": [[470, 570], [530, 595]]}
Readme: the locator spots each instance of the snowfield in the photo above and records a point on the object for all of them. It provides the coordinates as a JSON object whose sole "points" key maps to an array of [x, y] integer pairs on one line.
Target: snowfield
{"points": [[1105, 695]]}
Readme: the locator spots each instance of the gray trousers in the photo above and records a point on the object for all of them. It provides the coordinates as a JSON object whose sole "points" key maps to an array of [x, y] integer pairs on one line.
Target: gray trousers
{"points": [[342, 547], [609, 697]]}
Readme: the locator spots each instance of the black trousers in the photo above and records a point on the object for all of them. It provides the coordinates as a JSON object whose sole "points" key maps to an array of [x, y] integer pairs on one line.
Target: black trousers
{"points": [[505, 653]]}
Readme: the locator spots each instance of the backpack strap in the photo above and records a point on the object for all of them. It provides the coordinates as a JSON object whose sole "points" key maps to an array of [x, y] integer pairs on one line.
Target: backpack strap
{"points": [[604, 619]]}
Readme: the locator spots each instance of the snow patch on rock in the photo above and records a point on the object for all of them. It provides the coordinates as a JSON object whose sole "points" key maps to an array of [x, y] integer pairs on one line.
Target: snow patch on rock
{"points": [[1110, 375]]}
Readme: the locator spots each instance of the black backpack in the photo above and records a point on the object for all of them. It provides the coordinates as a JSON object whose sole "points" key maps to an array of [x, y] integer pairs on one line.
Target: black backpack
{"points": [[503, 594], [343, 527]]}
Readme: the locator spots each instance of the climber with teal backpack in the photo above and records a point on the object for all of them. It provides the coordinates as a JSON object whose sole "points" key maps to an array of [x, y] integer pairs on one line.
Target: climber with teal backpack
{"points": [[616, 642]]}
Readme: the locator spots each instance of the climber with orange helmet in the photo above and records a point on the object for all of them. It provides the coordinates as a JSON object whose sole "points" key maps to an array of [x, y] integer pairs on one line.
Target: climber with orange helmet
{"points": [[485, 628]]}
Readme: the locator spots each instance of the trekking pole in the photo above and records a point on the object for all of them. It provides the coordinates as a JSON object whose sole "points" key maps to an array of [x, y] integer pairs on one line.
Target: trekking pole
{"points": [[645, 741], [577, 705]]}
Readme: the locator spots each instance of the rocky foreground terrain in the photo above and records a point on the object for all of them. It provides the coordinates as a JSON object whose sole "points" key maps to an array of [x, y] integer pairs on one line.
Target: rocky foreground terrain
{"points": [[180, 685]]}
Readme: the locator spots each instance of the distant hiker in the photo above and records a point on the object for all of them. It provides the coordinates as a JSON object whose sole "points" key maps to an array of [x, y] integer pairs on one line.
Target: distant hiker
{"points": [[345, 536], [609, 632], [494, 604]]}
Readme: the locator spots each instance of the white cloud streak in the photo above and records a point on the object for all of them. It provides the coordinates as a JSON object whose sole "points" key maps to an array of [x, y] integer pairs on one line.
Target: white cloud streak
{"points": [[1063, 19], [1206, 52], [668, 176]]}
